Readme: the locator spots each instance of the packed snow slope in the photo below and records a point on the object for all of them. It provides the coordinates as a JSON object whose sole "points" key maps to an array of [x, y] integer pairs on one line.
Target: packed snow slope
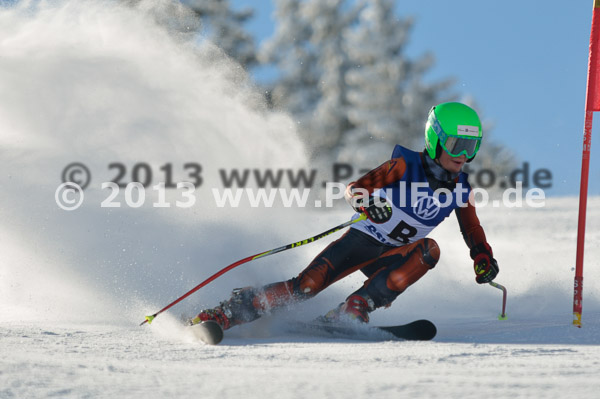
{"points": [[101, 83], [535, 353]]}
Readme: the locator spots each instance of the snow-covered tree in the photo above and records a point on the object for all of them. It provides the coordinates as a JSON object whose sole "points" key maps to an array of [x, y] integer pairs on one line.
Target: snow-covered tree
{"points": [[346, 79], [295, 89], [224, 27], [330, 20], [387, 97], [308, 50]]}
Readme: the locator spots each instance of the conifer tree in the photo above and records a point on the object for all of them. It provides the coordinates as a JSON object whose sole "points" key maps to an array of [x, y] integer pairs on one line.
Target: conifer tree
{"points": [[224, 27], [345, 77], [295, 89], [387, 95]]}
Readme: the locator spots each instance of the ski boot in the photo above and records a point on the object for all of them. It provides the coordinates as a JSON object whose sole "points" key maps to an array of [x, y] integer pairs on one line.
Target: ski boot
{"points": [[356, 308], [240, 308]]}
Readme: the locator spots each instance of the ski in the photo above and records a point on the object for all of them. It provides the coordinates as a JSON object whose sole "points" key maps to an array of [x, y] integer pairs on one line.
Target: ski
{"points": [[209, 332], [419, 330]]}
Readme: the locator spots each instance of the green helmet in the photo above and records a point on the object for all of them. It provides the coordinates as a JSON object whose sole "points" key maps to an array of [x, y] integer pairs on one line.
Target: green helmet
{"points": [[454, 127]]}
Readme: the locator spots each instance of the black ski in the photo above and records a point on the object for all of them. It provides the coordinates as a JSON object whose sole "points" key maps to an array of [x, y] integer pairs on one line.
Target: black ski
{"points": [[209, 332], [420, 330]]}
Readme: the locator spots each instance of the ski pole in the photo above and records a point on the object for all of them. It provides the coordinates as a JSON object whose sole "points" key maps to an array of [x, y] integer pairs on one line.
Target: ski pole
{"points": [[501, 287], [253, 257]]}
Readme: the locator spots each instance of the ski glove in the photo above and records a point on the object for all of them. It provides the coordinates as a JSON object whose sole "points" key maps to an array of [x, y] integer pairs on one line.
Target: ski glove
{"points": [[376, 208], [486, 267]]}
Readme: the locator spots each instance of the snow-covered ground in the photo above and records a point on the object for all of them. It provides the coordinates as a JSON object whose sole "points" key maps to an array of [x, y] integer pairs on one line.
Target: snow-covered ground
{"points": [[96, 82], [115, 361], [535, 353]]}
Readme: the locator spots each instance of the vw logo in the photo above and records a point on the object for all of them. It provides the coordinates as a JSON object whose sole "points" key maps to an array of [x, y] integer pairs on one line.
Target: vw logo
{"points": [[427, 208]]}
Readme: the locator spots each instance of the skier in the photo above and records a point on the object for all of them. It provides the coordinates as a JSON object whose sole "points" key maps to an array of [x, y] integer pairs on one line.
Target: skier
{"points": [[406, 197]]}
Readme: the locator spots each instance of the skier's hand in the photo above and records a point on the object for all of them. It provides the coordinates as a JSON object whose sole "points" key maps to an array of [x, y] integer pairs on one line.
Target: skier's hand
{"points": [[486, 268], [377, 210]]}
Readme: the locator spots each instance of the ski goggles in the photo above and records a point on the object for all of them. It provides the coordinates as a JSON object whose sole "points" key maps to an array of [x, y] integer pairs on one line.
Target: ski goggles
{"points": [[457, 146], [465, 142]]}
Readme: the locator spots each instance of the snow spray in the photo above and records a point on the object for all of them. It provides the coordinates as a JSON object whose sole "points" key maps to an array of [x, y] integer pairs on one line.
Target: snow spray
{"points": [[106, 83]]}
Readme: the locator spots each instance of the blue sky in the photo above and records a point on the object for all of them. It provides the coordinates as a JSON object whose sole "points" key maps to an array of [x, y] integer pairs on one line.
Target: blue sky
{"points": [[524, 63]]}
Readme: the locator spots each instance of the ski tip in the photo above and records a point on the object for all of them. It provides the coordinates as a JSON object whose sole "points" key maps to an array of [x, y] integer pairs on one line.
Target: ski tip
{"points": [[428, 330], [209, 332], [418, 330]]}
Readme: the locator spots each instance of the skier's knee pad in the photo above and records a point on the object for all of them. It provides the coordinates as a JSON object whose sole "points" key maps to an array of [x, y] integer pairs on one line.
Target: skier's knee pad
{"points": [[431, 252]]}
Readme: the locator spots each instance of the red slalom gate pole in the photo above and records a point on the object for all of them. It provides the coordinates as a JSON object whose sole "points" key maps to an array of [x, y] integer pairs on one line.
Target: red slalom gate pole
{"points": [[592, 104]]}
